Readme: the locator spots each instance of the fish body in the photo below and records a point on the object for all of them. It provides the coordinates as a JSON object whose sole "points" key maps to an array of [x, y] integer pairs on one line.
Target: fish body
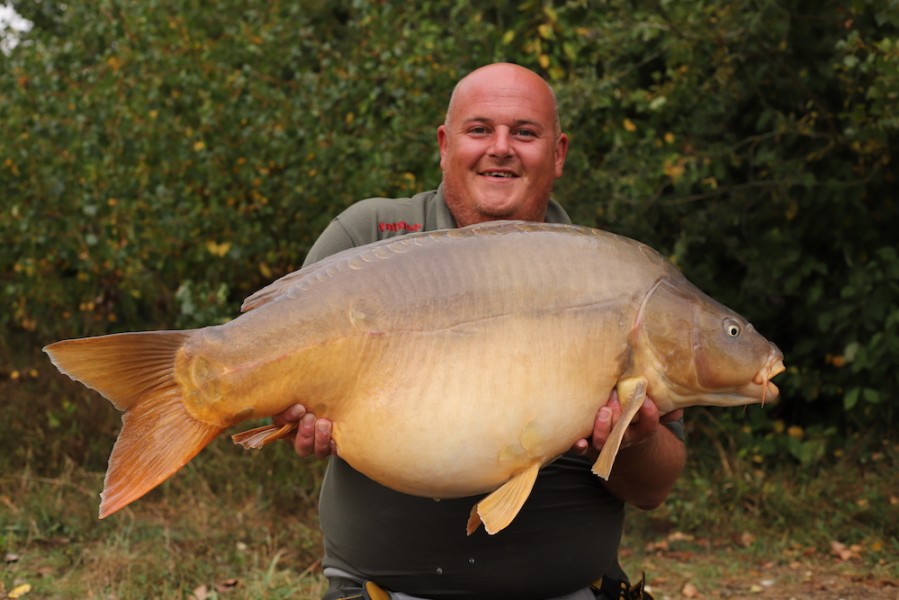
{"points": [[451, 363]]}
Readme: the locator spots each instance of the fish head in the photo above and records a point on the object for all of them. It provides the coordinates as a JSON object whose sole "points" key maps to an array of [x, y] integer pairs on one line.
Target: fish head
{"points": [[702, 352]]}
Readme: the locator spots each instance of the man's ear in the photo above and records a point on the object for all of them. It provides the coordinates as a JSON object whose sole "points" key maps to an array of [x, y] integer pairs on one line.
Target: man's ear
{"points": [[441, 143], [561, 153]]}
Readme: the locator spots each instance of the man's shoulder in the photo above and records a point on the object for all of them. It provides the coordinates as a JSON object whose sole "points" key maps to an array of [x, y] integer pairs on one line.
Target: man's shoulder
{"points": [[379, 218]]}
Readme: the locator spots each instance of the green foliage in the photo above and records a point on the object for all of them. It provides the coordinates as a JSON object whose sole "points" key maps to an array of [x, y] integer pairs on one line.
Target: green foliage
{"points": [[752, 142], [161, 163]]}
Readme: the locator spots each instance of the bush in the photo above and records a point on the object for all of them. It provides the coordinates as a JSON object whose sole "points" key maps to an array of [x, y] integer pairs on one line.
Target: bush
{"points": [[160, 165]]}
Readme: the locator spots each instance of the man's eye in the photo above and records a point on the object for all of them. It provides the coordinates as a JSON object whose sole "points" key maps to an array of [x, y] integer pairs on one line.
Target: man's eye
{"points": [[525, 133], [478, 130]]}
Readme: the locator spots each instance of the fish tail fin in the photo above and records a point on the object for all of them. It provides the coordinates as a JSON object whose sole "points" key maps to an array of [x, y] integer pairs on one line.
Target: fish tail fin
{"points": [[135, 371]]}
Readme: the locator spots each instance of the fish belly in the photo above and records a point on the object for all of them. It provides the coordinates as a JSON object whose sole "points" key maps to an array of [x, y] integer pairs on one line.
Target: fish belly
{"points": [[454, 413]]}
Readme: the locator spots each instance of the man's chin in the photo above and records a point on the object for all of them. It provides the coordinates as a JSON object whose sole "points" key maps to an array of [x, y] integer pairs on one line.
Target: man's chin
{"points": [[498, 205]]}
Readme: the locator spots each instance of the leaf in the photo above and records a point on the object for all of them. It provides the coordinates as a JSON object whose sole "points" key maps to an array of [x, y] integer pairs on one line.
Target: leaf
{"points": [[690, 591], [200, 593], [844, 552], [227, 585], [850, 399], [19, 591]]}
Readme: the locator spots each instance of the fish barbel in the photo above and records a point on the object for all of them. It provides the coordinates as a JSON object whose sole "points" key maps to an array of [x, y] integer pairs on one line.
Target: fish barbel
{"points": [[451, 363]]}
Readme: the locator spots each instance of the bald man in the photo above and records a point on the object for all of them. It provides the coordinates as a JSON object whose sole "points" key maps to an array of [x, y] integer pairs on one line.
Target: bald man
{"points": [[501, 149]]}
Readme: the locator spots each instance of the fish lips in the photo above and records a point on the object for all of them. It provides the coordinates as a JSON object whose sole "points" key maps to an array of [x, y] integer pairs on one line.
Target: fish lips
{"points": [[774, 367]]}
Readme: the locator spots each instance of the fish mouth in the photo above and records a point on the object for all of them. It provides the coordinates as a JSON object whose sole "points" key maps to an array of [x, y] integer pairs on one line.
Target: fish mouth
{"points": [[773, 368]]}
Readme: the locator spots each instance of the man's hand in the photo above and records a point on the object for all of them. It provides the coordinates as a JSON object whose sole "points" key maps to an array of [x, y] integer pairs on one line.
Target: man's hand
{"points": [[649, 459], [641, 429], [313, 435]]}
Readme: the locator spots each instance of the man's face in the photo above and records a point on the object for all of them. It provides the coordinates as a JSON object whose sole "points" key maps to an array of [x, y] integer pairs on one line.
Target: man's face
{"points": [[499, 150]]}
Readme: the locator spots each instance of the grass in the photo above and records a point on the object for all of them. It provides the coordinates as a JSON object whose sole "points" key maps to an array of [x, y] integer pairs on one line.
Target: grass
{"points": [[242, 525], [192, 534]]}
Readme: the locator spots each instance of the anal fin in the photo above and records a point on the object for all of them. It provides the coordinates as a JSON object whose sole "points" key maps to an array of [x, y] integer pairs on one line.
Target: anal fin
{"points": [[632, 394], [498, 509]]}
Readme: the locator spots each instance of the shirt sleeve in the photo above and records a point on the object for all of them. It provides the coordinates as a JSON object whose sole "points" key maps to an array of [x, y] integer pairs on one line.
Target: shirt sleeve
{"points": [[333, 239], [677, 428]]}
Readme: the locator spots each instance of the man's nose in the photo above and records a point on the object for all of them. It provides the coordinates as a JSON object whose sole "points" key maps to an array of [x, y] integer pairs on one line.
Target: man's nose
{"points": [[501, 143]]}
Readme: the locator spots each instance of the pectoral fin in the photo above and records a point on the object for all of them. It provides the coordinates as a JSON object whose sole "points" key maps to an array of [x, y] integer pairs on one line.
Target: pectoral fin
{"points": [[262, 436], [498, 509], [632, 394]]}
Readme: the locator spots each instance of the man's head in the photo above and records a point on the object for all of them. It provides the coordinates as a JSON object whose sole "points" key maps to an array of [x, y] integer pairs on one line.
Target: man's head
{"points": [[501, 145]]}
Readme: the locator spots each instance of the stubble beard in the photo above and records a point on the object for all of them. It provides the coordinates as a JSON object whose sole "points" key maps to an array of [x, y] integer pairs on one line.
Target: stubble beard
{"points": [[467, 213]]}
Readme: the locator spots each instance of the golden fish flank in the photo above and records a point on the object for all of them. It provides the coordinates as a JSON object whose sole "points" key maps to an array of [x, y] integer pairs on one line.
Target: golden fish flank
{"points": [[490, 366]]}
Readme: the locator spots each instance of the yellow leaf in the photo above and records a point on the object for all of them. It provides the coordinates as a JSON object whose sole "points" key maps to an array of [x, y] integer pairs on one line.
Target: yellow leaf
{"points": [[629, 125], [546, 31], [199, 145], [711, 182], [19, 591], [217, 249], [795, 431], [669, 138], [673, 169], [543, 59], [791, 212], [265, 270], [551, 13]]}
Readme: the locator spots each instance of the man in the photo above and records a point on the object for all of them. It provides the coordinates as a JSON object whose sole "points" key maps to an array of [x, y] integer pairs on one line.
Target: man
{"points": [[501, 149]]}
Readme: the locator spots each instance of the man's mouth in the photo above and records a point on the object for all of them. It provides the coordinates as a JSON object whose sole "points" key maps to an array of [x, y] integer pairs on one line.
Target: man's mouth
{"points": [[499, 174]]}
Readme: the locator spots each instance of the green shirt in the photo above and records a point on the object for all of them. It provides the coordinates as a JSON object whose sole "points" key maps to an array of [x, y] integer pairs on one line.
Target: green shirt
{"points": [[381, 218], [566, 535]]}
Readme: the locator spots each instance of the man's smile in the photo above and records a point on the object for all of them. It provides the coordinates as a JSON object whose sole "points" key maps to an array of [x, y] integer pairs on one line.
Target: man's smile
{"points": [[499, 174]]}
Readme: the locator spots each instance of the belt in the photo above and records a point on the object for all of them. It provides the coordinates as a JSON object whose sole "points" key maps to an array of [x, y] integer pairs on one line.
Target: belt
{"points": [[605, 588]]}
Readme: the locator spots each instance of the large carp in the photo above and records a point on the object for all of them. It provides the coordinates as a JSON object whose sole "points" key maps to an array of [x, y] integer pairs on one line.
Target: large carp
{"points": [[451, 363]]}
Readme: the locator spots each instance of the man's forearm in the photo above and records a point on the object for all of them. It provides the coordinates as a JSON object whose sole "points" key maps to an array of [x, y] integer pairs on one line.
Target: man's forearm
{"points": [[644, 474]]}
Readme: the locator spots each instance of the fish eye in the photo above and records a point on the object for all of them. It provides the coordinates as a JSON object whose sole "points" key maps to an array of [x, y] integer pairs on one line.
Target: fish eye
{"points": [[731, 328]]}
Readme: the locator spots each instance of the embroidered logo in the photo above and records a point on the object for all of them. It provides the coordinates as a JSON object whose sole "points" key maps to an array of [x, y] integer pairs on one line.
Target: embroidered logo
{"points": [[400, 226]]}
